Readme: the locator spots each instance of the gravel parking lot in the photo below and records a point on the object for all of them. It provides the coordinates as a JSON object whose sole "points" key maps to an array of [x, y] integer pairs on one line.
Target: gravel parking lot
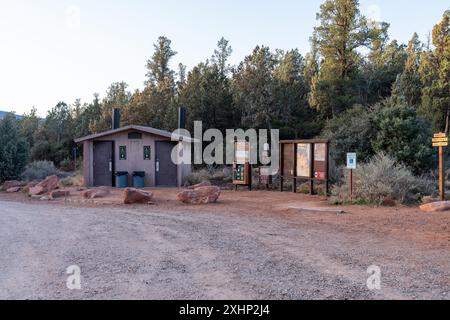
{"points": [[240, 248]]}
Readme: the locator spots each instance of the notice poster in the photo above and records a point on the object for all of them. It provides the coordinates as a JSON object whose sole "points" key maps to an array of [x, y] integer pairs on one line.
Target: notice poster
{"points": [[320, 158], [320, 151], [304, 160], [242, 152]]}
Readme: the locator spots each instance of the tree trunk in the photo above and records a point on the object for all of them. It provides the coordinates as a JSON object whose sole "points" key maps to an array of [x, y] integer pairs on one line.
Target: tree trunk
{"points": [[447, 121]]}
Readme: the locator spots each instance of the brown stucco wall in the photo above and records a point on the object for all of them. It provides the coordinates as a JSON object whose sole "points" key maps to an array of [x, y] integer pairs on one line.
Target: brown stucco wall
{"points": [[135, 157], [86, 163]]}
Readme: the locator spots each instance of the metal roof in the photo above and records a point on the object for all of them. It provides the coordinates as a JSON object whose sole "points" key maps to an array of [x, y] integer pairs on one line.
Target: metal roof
{"points": [[150, 130]]}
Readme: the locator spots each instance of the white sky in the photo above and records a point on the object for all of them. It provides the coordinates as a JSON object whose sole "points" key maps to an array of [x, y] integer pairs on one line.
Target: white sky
{"points": [[60, 50]]}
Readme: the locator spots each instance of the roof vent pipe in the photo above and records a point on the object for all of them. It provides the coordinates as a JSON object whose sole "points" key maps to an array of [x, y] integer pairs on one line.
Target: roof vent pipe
{"points": [[182, 118], [116, 119]]}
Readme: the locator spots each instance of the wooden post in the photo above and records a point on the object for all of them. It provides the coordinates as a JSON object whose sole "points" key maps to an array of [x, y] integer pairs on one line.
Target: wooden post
{"points": [[441, 173], [311, 174], [440, 140], [250, 178], [327, 161], [294, 183], [281, 167]]}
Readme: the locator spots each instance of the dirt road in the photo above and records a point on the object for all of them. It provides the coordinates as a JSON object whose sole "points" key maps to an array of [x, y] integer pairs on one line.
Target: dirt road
{"points": [[170, 251]]}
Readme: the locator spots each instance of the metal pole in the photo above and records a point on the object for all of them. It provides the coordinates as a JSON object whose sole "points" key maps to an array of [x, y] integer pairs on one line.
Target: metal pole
{"points": [[441, 173], [351, 184], [75, 158]]}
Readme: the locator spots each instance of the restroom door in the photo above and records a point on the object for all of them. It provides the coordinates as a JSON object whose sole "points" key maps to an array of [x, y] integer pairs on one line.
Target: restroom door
{"points": [[103, 163], [166, 170]]}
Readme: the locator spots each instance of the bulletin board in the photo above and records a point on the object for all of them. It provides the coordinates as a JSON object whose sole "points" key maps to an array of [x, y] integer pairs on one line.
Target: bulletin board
{"points": [[304, 160]]}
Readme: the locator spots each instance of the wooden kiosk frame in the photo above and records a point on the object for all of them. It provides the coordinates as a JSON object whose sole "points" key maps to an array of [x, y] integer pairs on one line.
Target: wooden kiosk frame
{"points": [[315, 164], [242, 169]]}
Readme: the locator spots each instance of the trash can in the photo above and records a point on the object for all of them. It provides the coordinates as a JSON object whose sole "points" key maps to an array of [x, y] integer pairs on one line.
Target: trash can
{"points": [[121, 179], [139, 179]]}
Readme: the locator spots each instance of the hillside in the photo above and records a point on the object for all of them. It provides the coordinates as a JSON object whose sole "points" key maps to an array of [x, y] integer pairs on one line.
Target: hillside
{"points": [[4, 113]]}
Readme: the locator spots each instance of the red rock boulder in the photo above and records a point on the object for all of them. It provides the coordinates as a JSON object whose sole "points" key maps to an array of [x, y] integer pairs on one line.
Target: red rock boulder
{"points": [[202, 195], [436, 206], [30, 185], [132, 196], [59, 194], [203, 184], [11, 184], [13, 190], [48, 185], [96, 193]]}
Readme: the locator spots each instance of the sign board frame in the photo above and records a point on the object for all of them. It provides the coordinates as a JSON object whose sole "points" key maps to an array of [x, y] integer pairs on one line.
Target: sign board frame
{"points": [[440, 140], [241, 166], [318, 170]]}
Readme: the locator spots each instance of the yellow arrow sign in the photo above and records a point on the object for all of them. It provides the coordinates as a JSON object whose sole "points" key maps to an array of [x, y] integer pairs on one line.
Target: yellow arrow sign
{"points": [[437, 140], [440, 135], [440, 144]]}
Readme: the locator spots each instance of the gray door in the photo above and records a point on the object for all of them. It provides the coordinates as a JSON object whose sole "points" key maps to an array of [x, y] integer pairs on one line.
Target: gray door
{"points": [[103, 163], [166, 170]]}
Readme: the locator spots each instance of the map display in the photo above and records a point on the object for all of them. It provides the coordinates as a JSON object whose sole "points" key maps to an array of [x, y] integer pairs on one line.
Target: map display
{"points": [[304, 160]]}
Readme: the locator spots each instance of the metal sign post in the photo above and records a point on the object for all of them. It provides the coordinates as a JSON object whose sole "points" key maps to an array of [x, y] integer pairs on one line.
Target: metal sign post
{"points": [[440, 140], [351, 165]]}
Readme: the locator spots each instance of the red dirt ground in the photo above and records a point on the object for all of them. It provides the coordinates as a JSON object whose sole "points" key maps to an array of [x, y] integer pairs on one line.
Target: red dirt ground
{"points": [[431, 230]]}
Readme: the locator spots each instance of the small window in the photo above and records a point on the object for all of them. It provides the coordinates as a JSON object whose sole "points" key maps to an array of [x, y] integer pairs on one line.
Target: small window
{"points": [[135, 136], [147, 153], [122, 153]]}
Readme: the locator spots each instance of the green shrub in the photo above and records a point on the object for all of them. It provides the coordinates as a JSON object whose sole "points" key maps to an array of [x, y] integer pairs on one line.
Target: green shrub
{"points": [[404, 136], [380, 179], [39, 170], [66, 165], [13, 149], [352, 131]]}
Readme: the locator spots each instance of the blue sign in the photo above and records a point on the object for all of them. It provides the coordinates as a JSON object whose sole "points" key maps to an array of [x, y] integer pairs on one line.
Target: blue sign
{"points": [[351, 161]]}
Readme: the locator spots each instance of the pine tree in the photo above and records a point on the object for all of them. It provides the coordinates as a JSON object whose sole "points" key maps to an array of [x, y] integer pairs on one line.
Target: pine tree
{"points": [[157, 107], [407, 88], [29, 125], [254, 89], [435, 76], [117, 97], [342, 31], [13, 149], [295, 118]]}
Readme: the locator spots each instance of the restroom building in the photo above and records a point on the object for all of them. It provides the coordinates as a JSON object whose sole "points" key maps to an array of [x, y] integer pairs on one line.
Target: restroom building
{"points": [[135, 149]]}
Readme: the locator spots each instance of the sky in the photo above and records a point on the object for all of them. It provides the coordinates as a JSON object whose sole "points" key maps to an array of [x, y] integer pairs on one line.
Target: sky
{"points": [[60, 50]]}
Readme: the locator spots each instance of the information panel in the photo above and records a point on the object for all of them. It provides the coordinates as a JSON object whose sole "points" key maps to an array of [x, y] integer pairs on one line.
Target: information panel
{"points": [[242, 168], [320, 165], [304, 160], [242, 152]]}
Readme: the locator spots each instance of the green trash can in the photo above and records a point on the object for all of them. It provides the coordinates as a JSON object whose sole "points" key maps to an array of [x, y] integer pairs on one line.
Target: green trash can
{"points": [[139, 179], [121, 179]]}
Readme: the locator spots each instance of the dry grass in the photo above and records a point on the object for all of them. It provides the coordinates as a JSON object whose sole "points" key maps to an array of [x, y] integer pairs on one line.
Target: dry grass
{"points": [[73, 181]]}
